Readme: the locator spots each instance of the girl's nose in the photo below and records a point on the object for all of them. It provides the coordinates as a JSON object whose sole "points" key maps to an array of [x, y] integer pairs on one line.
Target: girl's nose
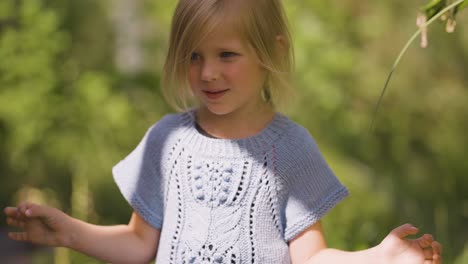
{"points": [[209, 72]]}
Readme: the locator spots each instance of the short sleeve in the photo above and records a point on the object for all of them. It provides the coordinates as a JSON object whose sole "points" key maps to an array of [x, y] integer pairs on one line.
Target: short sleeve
{"points": [[139, 178], [312, 187]]}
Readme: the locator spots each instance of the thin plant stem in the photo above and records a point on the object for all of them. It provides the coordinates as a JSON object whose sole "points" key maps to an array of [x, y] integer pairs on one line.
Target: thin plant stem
{"points": [[403, 51]]}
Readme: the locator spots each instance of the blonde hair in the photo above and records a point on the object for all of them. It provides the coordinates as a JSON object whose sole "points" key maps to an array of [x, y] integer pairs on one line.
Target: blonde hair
{"points": [[262, 23]]}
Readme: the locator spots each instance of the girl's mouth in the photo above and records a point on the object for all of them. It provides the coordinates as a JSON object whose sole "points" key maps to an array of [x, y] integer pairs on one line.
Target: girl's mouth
{"points": [[214, 95]]}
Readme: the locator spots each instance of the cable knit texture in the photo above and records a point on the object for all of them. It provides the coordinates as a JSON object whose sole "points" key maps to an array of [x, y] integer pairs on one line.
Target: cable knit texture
{"points": [[227, 201]]}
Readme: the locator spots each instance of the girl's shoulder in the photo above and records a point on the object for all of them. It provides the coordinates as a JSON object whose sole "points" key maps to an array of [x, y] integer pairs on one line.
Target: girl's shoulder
{"points": [[168, 126], [297, 145], [295, 135], [171, 122]]}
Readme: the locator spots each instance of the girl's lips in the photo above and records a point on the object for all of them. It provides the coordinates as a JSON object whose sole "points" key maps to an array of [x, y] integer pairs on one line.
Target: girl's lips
{"points": [[214, 95]]}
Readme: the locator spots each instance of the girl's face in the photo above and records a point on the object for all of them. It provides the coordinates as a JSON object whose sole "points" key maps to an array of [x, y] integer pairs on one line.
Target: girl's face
{"points": [[225, 75]]}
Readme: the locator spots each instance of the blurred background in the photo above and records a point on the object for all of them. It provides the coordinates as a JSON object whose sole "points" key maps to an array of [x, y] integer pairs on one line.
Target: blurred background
{"points": [[79, 86]]}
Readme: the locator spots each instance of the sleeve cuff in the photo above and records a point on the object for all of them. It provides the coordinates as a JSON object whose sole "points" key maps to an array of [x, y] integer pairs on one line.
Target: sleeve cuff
{"points": [[128, 191], [315, 215]]}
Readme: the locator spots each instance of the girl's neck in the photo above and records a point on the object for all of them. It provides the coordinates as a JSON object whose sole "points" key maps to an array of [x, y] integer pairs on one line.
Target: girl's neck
{"points": [[234, 125]]}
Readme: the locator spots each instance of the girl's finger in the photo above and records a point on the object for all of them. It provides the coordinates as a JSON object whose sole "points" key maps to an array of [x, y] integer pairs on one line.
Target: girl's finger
{"points": [[23, 207], [404, 230], [18, 236], [437, 252], [428, 253], [34, 210], [437, 247], [15, 222], [20, 216], [10, 211], [425, 241]]}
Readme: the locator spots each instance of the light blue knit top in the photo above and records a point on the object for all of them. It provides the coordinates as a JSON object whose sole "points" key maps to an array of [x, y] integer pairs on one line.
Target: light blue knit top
{"points": [[227, 201]]}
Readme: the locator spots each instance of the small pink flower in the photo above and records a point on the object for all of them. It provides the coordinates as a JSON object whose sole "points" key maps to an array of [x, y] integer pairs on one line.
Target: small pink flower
{"points": [[451, 23], [421, 23]]}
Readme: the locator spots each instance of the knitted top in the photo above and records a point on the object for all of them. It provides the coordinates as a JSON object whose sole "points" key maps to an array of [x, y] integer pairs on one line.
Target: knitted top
{"points": [[227, 201]]}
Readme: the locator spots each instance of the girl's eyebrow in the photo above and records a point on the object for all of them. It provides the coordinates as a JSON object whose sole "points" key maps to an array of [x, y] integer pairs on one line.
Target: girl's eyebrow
{"points": [[221, 49], [228, 50], [233, 48], [227, 45], [220, 46]]}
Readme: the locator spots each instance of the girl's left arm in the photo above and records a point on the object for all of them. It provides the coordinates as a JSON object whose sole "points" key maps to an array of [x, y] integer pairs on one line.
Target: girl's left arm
{"points": [[310, 248]]}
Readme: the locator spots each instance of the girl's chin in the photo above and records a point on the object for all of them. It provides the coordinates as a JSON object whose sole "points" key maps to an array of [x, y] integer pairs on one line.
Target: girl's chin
{"points": [[218, 110]]}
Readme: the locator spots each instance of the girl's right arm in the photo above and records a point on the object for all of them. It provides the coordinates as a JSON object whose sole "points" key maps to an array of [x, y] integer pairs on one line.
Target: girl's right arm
{"points": [[310, 248], [136, 242]]}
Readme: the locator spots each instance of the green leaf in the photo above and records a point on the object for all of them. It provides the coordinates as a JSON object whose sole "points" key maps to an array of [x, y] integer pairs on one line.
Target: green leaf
{"points": [[434, 4], [463, 5], [433, 7]]}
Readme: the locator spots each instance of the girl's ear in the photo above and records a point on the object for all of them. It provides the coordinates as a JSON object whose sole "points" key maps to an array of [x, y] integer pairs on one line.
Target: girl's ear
{"points": [[281, 44]]}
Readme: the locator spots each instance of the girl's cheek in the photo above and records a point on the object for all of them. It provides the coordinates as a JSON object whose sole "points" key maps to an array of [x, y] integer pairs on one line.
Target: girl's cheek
{"points": [[193, 74], [233, 70]]}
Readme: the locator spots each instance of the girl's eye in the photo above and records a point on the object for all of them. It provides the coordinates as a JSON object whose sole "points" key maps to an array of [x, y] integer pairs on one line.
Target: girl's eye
{"points": [[195, 56], [227, 54]]}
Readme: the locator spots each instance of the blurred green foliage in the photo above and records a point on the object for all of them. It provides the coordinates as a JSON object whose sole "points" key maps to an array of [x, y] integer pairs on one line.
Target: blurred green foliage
{"points": [[68, 111]]}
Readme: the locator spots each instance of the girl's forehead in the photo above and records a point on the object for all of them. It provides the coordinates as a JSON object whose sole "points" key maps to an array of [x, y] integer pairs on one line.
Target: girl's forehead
{"points": [[224, 34]]}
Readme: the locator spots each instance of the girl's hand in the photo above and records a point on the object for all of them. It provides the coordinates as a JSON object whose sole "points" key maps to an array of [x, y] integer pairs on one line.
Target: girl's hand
{"points": [[39, 224], [395, 248]]}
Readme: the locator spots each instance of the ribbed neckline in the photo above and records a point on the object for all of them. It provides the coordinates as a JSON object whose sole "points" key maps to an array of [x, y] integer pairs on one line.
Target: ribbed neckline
{"points": [[260, 142]]}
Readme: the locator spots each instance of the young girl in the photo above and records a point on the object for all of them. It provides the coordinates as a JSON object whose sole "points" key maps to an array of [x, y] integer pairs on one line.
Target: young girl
{"points": [[230, 180]]}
